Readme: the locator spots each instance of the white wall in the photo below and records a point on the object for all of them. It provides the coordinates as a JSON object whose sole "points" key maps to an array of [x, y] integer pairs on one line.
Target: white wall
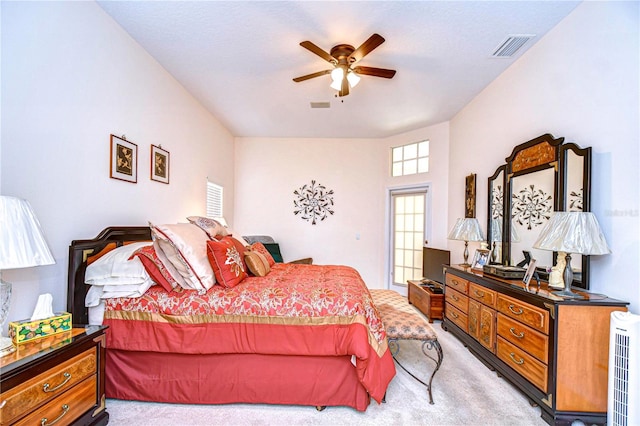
{"points": [[71, 77], [269, 170], [580, 82]]}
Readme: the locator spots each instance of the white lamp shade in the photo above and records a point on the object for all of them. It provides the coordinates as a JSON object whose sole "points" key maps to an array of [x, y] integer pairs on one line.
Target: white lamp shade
{"points": [[573, 232], [467, 229], [22, 244], [496, 229]]}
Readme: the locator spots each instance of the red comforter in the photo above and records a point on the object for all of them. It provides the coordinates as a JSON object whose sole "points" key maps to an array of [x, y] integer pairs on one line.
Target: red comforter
{"points": [[294, 310]]}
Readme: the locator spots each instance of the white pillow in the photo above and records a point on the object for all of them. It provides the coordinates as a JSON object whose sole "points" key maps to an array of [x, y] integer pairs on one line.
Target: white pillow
{"points": [[185, 245], [98, 292], [115, 268]]}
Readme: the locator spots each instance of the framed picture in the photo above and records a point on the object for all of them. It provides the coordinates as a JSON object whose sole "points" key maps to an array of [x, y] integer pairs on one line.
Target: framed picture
{"points": [[480, 259], [159, 164], [124, 159], [470, 196], [530, 271]]}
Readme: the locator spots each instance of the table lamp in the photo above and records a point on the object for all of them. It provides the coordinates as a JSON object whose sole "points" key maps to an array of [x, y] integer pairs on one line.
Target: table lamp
{"points": [[572, 232], [467, 229], [22, 245]]}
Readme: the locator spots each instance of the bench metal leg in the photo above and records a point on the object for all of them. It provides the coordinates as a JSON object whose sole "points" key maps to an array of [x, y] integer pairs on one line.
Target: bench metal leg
{"points": [[427, 345]]}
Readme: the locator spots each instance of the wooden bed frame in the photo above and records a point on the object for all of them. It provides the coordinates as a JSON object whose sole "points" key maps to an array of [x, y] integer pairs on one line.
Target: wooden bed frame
{"points": [[210, 379]]}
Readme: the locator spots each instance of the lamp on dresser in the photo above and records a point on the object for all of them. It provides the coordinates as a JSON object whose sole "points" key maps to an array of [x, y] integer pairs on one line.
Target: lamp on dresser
{"points": [[467, 229], [22, 245], [572, 232]]}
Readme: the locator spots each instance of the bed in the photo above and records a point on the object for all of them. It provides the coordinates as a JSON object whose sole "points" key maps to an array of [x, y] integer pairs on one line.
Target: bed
{"points": [[301, 335]]}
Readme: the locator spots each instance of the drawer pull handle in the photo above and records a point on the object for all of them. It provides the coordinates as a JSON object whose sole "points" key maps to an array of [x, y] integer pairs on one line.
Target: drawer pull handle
{"points": [[518, 312], [45, 387], [454, 297], [453, 314], [513, 358], [45, 421], [478, 293], [518, 335]]}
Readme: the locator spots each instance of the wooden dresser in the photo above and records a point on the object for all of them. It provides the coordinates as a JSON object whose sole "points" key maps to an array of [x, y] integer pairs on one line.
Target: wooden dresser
{"points": [[55, 380], [555, 351]]}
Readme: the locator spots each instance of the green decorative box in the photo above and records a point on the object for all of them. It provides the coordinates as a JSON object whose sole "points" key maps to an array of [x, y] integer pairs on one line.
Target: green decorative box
{"points": [[27, 330]]}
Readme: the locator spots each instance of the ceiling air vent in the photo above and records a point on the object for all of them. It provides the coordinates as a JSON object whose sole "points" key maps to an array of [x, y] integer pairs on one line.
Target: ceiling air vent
{"points": [[511, 45], [320, 105]]}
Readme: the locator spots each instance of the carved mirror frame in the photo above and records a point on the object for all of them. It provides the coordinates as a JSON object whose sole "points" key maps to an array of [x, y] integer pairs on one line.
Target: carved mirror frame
{"points": [[540, 176]]}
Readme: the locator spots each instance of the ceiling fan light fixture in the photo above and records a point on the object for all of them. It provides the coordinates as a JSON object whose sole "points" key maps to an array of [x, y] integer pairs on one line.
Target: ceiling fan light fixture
{"points": [[353, 79], [336, 76]]}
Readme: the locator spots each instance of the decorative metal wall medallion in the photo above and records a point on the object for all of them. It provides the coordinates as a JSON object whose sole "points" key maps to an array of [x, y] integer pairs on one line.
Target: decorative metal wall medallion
{"points": [[531, 206], [313, 202]]}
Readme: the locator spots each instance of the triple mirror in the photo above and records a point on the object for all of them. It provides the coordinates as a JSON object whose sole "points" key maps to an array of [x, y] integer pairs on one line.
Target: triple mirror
{"points": [[540, 176]]}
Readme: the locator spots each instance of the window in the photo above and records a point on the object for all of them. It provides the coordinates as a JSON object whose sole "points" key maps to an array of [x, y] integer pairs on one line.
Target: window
{"points": [[408, 233], [214, 200], [410, 159]]}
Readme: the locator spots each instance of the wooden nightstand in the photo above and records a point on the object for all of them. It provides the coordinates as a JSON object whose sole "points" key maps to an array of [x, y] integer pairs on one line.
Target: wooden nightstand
{"points": [[55, 379], [425, 299]]}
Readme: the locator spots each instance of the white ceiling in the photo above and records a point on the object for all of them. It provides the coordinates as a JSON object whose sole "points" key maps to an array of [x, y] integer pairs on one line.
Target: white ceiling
{"points": [[239, 58]]}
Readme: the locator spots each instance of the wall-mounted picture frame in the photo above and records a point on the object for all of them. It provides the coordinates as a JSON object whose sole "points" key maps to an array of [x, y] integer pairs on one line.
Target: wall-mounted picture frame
{"points": [[159, 164], [470, 196], [531, 269], [480, 258], [123, 159]]}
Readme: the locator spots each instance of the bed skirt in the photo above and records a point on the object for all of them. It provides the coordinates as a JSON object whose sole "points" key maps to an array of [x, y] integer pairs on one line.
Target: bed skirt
{"points": [[234, 378]]}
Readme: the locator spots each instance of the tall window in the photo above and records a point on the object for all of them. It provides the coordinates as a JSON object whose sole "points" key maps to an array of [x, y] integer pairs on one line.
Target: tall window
{"points": [[408, 234], [410, 159], [214, 200]]}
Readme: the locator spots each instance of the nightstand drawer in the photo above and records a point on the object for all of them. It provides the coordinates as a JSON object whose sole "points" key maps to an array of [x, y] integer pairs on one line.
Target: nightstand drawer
{"points": [[456, 299], [525, 313], [483, 294], [458, 283], [46, 386], [526, 338], [532, 369], [66, 407], [456, 316]]}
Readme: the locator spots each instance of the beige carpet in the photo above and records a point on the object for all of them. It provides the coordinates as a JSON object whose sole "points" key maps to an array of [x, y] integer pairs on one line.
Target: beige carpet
{"points": [[464, 390]]}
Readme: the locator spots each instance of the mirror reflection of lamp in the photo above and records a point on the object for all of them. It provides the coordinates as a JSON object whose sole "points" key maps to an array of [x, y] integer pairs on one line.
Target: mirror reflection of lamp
{"points": [[22, 245], [572, 232], [467, 229]]}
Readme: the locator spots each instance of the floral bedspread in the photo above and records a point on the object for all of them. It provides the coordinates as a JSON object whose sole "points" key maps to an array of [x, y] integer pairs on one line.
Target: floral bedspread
{"points": [[296, 309]]}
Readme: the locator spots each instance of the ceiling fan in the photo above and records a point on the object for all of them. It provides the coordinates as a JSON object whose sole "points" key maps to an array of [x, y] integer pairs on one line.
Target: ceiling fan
{"points": [[343, 57]]}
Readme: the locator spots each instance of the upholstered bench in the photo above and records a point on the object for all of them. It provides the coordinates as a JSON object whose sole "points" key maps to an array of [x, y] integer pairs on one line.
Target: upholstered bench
{"points": [[403, 322]]}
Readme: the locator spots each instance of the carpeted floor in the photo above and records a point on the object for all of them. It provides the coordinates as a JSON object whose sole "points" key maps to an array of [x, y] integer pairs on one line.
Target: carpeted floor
{"points": [[464, 390]]}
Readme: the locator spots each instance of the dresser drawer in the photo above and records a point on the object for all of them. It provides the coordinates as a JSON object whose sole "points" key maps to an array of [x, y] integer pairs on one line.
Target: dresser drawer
{"points": [[67, 407], [46, 386], [456, 316], [482, 294], [458, 283], [532, 316], [457, 299], [526, 365], [526, 338]]}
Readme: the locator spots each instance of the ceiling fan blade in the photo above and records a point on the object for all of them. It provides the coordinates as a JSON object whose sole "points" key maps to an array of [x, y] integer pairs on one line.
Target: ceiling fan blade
{"points": [[376, 72], [315, 49], [366, 47], [308, 76]]}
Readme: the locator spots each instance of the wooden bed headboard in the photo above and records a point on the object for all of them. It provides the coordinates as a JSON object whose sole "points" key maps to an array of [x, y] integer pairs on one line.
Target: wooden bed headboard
{"points": [[81, 252]]}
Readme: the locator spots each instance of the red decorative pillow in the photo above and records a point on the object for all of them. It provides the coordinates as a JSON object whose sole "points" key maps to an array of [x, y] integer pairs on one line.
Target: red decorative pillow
{"points": [[227, 263], [260, 248], [154, 267]]}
